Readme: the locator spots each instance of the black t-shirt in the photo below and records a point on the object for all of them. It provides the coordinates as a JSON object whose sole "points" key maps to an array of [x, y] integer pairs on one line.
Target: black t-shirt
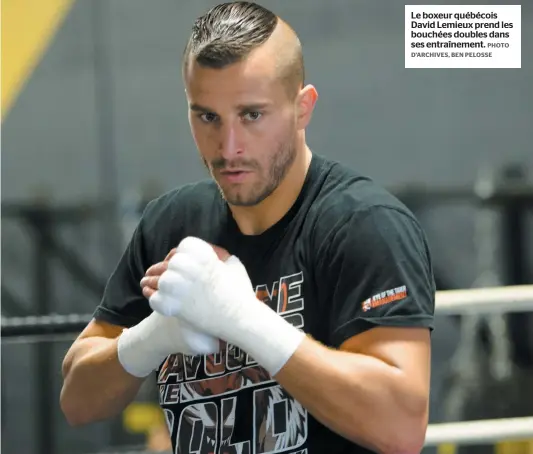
{"points": [[347, 256]]}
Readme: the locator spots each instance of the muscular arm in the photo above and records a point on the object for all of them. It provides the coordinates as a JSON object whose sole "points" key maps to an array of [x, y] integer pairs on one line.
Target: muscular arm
{"points": [[377, 284], [95, 385], [373, 391]]}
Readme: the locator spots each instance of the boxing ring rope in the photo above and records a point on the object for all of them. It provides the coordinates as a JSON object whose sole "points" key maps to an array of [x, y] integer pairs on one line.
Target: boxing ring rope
{"points": [[480, 432], [448, 302], [486, 300]]}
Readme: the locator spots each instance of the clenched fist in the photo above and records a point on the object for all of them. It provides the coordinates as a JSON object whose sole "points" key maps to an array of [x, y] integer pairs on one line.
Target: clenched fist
{"points": [[217, 298], [150, 281]]}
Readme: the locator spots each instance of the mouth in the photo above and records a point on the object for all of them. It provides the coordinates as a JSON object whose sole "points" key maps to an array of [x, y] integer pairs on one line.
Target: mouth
{"points": [[235, 176]]}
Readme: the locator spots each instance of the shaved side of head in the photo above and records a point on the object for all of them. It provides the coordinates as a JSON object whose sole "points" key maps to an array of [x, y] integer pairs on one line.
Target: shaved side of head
{"points": [[287, 50]]}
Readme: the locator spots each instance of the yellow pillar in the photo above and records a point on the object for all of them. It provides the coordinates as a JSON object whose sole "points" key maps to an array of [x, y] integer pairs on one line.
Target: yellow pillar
{"points": [[28, 26]]}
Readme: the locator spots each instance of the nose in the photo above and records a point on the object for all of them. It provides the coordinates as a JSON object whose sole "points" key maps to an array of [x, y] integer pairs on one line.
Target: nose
{"points": [[230, 144]]}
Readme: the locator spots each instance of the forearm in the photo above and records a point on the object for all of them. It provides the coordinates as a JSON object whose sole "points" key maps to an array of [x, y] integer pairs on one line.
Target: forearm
{"points": [[359, 397], [95, 386]]}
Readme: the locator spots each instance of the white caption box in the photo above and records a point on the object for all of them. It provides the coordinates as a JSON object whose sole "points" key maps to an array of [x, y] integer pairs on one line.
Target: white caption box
{"points": [[463, 36]]}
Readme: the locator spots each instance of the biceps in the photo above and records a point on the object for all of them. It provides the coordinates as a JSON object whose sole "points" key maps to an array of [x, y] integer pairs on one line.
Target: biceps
{"points": [[408, 349], [92, 334]]}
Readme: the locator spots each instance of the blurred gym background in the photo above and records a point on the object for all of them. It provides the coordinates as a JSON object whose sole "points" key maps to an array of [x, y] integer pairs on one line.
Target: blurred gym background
{"points": [[94, 125]]}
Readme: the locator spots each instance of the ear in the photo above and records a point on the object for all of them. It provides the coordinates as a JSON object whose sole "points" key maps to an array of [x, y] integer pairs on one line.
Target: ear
{"points": [[306, 101]]}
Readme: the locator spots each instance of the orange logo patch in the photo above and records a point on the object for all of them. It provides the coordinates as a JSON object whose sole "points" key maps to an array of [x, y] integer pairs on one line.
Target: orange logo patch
{"points": [[383, 298]]}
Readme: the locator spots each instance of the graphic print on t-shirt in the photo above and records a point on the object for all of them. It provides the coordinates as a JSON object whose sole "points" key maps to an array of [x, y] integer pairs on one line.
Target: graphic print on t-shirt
{"points": [[226, 403]]}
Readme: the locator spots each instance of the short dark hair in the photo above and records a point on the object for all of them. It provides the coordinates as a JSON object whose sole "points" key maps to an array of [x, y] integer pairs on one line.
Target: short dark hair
{"points": [[228, 33]]}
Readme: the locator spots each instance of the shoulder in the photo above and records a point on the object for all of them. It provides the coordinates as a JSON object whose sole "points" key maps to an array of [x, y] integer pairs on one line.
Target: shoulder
{"points": [[350, 202], [181, 203]]}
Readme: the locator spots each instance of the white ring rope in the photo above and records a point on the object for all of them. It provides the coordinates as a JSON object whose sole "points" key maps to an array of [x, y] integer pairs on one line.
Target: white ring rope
{"points": [[480, 432], [488, 300], [485, 300]]}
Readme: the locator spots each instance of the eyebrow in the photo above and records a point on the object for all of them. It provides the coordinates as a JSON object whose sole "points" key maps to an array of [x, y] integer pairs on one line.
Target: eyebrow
{"points": [[239, 107]]}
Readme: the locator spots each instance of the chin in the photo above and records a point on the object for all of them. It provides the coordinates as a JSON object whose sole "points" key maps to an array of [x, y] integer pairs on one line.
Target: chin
{"points": [[241, 199], [250, 201], [245, 198]]}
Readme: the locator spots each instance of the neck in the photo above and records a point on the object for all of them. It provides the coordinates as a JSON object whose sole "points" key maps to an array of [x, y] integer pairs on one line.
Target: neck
{"points": [[256, 219]]}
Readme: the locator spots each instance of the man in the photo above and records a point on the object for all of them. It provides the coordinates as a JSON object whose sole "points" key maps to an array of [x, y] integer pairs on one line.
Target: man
{"points": [[306, 327]]}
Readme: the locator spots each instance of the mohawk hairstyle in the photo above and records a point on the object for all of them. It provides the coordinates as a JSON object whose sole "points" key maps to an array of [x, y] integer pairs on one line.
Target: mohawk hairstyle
{"points": [[229, 32]]}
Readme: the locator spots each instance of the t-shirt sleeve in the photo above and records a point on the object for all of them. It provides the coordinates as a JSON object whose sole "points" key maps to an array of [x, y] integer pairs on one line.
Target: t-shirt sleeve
{"points": [[123, 303], [378, 271]]}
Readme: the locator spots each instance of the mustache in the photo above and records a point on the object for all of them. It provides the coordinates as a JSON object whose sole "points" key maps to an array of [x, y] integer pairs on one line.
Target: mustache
{"points": [[226, 164]]}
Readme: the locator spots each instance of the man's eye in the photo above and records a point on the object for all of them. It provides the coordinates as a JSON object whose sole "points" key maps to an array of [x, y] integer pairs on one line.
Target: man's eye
{"points": [[208, 117], [252, 116]]}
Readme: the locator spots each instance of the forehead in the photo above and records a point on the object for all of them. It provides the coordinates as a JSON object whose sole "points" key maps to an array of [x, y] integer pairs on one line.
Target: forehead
{"points": [[249, 78]]}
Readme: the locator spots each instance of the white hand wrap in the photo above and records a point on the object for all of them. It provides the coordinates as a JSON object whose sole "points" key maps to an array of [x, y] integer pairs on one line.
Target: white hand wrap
{"points": [[268, 338], [142, 348], [262, 333], [218, 298]]}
